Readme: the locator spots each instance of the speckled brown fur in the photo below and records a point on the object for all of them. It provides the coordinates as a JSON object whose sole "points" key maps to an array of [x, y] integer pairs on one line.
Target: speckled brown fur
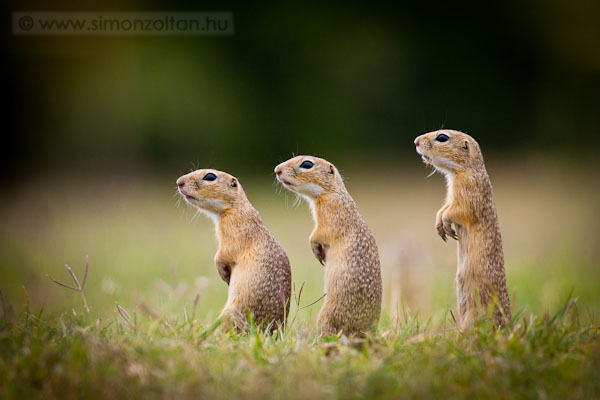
{"points": [[470, 207], [343, 243], [249, 259]]}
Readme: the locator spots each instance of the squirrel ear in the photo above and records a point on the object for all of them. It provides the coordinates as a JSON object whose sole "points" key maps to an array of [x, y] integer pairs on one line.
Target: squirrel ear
{"points": [[465, 146], [233, 183], [331, 170]]}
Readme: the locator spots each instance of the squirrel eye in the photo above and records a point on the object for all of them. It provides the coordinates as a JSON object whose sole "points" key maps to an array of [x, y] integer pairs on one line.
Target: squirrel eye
{"points": [[442, 138], [209, 177], [306, 164]]}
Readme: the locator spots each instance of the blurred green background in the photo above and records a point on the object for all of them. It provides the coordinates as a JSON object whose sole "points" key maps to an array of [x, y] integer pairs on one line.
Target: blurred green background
{"points": [[98, 129]]}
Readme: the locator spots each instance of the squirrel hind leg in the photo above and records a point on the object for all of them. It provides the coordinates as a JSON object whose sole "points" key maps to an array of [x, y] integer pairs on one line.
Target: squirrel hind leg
{"points": [[234, 319], [325, 323]]}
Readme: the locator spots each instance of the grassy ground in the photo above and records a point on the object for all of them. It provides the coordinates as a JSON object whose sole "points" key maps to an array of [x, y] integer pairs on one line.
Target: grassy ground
{"points": [[549, 357], [152, 259]]}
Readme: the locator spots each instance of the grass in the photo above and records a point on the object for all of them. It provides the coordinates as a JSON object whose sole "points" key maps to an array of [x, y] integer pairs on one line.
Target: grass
{"points": [[153, 294], [74, 357]]}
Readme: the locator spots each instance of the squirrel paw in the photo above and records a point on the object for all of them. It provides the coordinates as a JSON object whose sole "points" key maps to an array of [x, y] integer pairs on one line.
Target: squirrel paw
{"points": [[444, 228], [319, 251], [439, 226], [224, 271], [449, 230]]}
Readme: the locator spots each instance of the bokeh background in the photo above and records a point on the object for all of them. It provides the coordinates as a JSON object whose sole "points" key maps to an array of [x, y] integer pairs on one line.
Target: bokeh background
{"points": [[97, 129]]}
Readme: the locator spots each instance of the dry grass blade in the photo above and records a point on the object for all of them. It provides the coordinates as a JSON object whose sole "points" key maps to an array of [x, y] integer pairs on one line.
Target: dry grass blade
{"points": [[196, 300], [62, 284], [147, 310], [78, 287], [314, 302], [87, 259], [300, 293], [452, 315], [125, 315], [571, 305], [74, 277], [281, 295], [297, 300], [294, 290], [514, 299]]}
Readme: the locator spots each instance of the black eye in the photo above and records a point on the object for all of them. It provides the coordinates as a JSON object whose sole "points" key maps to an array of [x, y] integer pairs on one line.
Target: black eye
{"points": [[209, 177], [442, 138], [306, 164]]}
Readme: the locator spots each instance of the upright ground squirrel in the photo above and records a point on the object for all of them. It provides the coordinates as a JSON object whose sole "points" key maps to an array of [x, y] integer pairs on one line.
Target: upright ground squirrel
{"points": [[249, 259], [342, 242], [470, 207]]}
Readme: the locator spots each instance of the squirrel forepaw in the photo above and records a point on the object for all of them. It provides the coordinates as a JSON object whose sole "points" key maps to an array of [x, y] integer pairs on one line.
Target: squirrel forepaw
{"points": [[444, 228], [319, 251], [440, 230], [224, 271], [447, 226]]}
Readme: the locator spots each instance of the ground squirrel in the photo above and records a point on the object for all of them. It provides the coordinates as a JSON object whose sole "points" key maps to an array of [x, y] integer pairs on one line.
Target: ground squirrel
{"points": [[249, 259], [470, 207], [342, 242]]}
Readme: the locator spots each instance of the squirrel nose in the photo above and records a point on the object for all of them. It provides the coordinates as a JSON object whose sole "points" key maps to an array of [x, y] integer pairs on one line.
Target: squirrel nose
{"points": [[417, 142], [180, 182], [278, 171]]}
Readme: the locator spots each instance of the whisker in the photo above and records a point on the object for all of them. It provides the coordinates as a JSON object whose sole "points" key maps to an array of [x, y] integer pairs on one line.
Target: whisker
{"points": [[194, 216], [279, 187], [198, 213]]}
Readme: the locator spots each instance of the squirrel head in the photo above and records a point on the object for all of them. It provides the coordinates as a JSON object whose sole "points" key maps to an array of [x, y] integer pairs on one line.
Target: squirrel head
{"points": [[309, 176], [449, 151], [211, 191]]}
